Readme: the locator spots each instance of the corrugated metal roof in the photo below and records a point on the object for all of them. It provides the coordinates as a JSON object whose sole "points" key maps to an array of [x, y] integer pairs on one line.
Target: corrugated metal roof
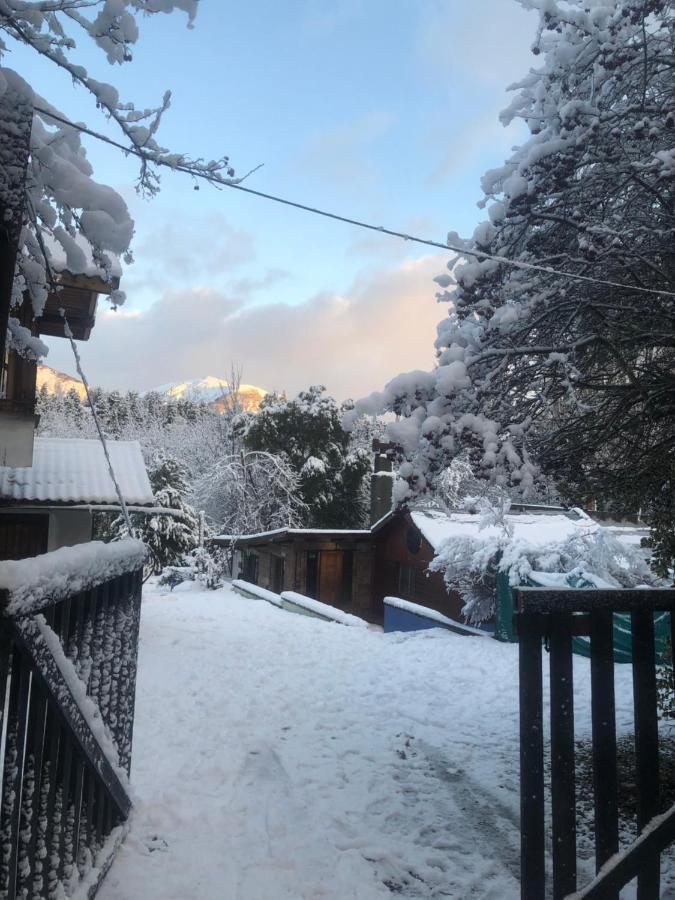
{"points": [[74, 470]]}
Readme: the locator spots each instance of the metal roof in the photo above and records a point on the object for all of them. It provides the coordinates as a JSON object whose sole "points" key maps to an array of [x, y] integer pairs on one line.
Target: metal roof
{"points": [[75, 470]]}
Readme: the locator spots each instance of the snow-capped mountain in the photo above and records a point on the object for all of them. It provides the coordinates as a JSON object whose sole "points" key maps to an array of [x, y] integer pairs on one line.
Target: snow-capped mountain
{"points": [[58, 382], [214, 391]]}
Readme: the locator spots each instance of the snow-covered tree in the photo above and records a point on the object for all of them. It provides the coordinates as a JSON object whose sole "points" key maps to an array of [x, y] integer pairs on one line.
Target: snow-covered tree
{"points": [[69, 216], [536, 368], [168, 538], [249, 492], [308, 432]]}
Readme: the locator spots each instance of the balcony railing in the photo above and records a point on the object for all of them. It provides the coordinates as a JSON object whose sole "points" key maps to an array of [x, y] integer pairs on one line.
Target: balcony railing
{"points": [[68, 647]]}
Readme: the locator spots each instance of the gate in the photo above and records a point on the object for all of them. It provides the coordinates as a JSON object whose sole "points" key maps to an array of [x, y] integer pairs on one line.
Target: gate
{"points": [[556, 617]]}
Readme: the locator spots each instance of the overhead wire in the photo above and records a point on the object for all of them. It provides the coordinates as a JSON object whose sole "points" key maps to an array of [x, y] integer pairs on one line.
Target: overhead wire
{"points": [[236, 184]]}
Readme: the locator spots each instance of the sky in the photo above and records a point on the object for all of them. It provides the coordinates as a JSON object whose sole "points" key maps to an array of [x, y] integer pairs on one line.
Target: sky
{"points": [[386, 112]]}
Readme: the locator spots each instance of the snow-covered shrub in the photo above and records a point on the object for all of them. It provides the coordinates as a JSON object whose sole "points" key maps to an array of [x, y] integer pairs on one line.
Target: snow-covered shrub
{"points": [[168, 536], [208, 566], [471, 563]]}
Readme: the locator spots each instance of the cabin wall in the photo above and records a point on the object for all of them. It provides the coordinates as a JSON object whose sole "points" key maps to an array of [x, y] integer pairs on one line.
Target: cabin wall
{"points": [[392, 551], [31, 532], [333, 583]]}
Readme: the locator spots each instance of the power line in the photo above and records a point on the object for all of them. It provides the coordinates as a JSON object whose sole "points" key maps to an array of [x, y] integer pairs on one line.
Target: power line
{"points": [[236, 184]]}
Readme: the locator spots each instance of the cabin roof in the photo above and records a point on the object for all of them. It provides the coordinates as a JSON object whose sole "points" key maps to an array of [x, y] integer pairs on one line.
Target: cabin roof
{"points": [[278, 535], [75, 470], [532, 525]]}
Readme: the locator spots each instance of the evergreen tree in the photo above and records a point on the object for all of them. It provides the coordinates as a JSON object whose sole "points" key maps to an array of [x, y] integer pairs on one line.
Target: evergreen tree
{"points": [[308, 432], [168, 538]]}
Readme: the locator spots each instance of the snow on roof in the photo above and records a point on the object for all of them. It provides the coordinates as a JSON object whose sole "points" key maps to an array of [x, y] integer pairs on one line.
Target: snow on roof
{"points": [[534, 528], [74, 470], [529, 526], [281, 531], [78, 258]]}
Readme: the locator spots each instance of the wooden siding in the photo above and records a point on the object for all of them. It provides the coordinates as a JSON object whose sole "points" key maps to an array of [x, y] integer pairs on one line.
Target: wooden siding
{"points": [[391, 551], [334, 585]]}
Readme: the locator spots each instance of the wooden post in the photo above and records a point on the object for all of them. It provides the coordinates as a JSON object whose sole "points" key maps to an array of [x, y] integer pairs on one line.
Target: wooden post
{"points": [[533, 852], [16, 118]]}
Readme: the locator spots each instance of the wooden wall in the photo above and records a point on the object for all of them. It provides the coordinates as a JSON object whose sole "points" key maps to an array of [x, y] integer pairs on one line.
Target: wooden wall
{"points": [[331, 561], [391, 550]]}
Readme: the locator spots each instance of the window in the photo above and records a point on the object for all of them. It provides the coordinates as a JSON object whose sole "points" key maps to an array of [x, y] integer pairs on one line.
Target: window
{"points": [[413, 540], [406, 581]]}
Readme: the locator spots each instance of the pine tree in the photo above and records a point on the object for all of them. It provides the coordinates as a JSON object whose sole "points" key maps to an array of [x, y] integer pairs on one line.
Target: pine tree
{"points": [[168, 538]]}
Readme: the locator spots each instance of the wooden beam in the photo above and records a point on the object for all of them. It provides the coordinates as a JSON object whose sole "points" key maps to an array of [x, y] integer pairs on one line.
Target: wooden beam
{"points": [[545, 600], [624, 866]]}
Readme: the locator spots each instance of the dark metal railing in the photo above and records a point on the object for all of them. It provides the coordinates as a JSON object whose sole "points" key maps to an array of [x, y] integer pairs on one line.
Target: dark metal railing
{"points": [[555, 617], [67, 679]]}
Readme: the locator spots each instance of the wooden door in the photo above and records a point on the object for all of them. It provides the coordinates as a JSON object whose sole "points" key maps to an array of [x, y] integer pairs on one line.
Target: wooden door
{"points": [[330, 577]]}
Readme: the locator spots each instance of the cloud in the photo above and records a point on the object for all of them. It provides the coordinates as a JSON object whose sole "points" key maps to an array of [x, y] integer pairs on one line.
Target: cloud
{"points": [[353, 342], [177, 248]]}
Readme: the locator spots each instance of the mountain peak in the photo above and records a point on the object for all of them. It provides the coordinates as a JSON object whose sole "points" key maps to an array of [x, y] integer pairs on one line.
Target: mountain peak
{"points": [[214, 391]]}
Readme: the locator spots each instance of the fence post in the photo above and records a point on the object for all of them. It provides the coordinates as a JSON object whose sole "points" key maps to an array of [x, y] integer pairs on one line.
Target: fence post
{"points": [[532, 844]]}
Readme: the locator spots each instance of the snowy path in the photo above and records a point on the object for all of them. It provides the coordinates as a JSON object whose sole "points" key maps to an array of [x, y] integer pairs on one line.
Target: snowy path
{"points": [[277, 756]]}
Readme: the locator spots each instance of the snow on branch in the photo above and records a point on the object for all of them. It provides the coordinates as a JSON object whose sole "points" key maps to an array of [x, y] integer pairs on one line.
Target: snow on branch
{"points": [[86, 221]]}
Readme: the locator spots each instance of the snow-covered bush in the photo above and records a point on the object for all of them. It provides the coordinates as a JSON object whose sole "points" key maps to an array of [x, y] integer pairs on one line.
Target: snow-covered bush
{"points": [[167, 537], [207, 565], [470, 563]]}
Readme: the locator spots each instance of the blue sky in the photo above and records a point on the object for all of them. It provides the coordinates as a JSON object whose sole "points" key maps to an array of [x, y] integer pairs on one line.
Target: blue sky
{"points": [[384, 111]]}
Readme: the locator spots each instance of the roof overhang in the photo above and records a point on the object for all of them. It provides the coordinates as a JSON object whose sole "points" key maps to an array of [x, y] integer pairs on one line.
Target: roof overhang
{"points": [[77, 296]]}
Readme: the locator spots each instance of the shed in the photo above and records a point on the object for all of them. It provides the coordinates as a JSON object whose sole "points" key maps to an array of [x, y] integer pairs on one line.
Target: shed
{"points": [[50, 504], [330, 565]]}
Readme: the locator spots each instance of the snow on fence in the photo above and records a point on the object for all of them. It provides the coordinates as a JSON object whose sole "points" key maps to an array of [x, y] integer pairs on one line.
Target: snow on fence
{"points": [[402, 615], [70, 570], [68, 650]]}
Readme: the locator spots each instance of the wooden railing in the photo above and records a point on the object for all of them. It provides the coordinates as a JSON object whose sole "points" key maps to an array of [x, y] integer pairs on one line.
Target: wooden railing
{"points": [[68, 677], [555, 616]]}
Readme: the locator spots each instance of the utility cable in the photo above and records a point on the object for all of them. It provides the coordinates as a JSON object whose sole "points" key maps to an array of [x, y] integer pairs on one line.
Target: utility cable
{"points": [[236, 185]]}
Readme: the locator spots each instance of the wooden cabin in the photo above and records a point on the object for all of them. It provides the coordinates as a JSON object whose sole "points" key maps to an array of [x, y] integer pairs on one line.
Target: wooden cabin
{"points": [[351, 570], [334, 566], [356, 570]]}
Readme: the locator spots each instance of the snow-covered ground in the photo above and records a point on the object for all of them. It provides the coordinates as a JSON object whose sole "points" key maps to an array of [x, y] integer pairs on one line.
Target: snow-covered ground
{"points": [[277, 756]]}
